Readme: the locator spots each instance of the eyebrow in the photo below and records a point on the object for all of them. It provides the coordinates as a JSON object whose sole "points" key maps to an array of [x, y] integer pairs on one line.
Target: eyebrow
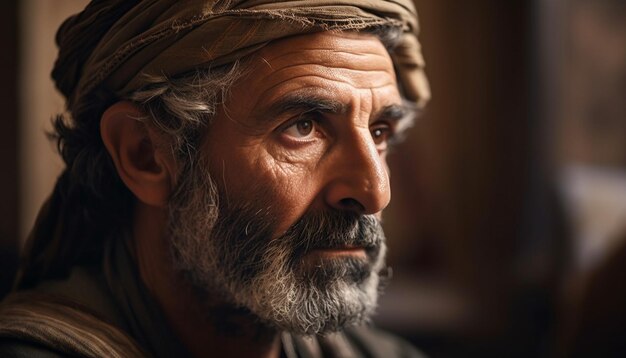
{"points": [[403, 113], [304, 103], [394, 112]]}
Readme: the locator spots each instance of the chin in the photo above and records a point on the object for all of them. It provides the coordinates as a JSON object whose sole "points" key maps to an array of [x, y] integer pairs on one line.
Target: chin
{"points": [[317, 298]]}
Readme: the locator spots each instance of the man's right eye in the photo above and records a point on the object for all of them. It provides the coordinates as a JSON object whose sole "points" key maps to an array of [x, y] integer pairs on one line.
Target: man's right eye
{"points": [[301, 130]]}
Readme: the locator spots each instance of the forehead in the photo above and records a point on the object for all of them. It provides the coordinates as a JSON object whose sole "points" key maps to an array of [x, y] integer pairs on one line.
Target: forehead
{"points": [[361, 51], [324, 61]]}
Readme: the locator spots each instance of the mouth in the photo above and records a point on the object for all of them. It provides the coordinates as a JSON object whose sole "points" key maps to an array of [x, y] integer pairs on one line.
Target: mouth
{"points": [[351, 251], [339, 252], [335, 239], [327, 265]]}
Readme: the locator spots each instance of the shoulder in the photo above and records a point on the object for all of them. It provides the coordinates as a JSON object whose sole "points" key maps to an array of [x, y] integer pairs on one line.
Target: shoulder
{"points": [[12, 348], [33, 324], [378, 343]]}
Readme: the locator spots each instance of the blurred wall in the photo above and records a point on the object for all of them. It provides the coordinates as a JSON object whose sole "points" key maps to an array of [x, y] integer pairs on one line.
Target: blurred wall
{"points": [[9, 183], [29, 100], [589, 76], [39, 102], [462, 185]]}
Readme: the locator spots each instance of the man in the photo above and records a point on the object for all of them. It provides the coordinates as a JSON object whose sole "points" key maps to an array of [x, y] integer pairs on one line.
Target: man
{"points": [[225, 180]]}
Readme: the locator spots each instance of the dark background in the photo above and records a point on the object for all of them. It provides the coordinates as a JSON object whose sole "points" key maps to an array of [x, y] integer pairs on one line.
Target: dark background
{"points": [[482, 243], [9, 178]]}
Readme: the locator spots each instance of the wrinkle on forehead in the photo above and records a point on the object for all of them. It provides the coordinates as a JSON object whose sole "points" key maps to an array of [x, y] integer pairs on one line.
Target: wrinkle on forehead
{"points": [[338, 63], [339, 50], [359, 59], [326, 55], [368, 80]]}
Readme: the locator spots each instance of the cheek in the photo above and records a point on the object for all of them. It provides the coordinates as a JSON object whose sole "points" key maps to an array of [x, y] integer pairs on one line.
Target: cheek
{"points": [[295, 170], [295, 156], [287, 187]]}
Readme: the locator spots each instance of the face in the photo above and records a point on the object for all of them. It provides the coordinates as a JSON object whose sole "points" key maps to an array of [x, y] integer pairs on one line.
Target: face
{"points": [[282, 216]]}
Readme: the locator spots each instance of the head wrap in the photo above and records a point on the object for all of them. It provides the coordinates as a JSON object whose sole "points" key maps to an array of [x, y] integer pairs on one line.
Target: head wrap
{"points": [[115, 43]]}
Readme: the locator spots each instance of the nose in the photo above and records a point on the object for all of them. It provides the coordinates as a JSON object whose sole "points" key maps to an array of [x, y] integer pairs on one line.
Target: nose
{"points": [[359, 178]]}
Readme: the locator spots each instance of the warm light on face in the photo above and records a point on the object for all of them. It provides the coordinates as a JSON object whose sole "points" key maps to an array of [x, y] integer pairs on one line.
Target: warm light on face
{"points": [[298, 157], [311, 123]]}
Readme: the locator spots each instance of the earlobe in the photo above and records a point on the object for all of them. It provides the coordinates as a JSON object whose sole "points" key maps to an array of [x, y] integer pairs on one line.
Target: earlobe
{"points": [[133, 147]]}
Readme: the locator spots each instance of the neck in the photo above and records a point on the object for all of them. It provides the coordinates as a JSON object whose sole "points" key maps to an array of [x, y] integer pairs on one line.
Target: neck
{"points": [[204, 325]]}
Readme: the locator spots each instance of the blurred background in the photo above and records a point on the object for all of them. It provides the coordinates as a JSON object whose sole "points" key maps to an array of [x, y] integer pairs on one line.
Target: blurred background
{"points": [[507, 228]]}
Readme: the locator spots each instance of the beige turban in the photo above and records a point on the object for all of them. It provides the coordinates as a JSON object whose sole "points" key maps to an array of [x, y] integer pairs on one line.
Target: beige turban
{"points": [[115, 43]]}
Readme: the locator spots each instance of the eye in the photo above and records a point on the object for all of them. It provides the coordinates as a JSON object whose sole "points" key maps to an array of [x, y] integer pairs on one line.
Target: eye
{"points": [[302, 129], [381, 133]]}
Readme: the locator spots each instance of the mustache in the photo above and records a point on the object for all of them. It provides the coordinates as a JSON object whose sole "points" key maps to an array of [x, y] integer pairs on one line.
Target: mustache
{"points": [[334, 229], [248, 235]]}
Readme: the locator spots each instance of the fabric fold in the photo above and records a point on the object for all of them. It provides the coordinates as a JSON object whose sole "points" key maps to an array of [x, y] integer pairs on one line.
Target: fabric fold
{"points": [[170, 38]]}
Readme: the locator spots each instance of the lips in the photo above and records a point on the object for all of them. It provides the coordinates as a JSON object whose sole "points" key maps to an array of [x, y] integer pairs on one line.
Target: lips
{"points": [[343, 250], [338, 248]]}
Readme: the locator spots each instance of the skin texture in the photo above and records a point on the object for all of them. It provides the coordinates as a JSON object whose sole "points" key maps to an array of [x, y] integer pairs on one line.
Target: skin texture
{"points": [[323, 148], [338, 164]]}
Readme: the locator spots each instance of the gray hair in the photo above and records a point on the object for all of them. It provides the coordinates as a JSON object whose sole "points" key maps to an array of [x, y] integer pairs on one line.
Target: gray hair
{"points": [[181, 107]]}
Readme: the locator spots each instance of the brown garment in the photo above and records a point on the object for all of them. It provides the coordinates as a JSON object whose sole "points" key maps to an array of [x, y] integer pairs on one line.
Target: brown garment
{"points": [[63, 326]]}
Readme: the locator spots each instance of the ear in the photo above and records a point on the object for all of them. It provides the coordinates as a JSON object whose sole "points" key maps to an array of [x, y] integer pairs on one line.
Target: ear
{"points": [[147, 171]]}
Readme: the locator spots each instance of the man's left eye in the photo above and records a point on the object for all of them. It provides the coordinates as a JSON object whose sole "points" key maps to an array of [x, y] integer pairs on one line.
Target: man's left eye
{"points": [[381, 133]]}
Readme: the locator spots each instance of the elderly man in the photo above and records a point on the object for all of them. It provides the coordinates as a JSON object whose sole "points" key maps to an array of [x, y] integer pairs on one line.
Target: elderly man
{"points": [[225, 179]]}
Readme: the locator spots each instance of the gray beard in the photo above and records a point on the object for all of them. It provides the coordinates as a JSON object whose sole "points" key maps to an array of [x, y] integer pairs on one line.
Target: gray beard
{"points": [[226, 251]]}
